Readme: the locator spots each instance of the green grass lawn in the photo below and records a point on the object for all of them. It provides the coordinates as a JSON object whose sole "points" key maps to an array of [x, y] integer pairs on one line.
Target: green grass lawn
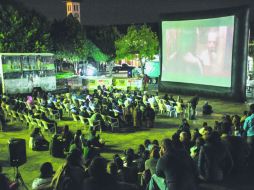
{"points": [[115, 142]]}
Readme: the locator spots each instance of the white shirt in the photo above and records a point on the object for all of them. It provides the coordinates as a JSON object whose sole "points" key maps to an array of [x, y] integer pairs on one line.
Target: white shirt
{"points": [[40, 183]]}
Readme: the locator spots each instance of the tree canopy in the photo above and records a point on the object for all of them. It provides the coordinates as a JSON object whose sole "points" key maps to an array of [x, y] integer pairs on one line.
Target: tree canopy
{"points": [[22, 30], [104, 38], [139, 42], [70, 42]]}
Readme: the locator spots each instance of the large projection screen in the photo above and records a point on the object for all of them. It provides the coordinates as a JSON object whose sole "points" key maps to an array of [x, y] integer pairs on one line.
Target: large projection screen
{"points": [[198, 51]]}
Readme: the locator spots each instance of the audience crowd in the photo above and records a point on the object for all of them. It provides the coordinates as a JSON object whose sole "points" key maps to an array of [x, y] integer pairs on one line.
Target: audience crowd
{"points": [[180, 162]]}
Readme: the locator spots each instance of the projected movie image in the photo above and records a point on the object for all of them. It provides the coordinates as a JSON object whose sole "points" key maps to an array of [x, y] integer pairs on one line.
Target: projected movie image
{"points": [[198, 51]]}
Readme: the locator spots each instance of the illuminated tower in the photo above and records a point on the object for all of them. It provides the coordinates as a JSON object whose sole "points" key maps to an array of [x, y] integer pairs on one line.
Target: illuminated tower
{"points": [[73, 7]]}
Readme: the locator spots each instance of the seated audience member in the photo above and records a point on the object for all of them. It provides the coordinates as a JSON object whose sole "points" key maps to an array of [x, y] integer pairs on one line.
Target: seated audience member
{"points": [[166, 97], [150, 164], [129, 152], [51, 123], [244, 116], [74, 109], [5, 183], [205, 124], [84, 113], [30, 101], [154, 143], [95, 140], [37, 140], [185, 140], [215, 161], [141, 150], [100, 179], [176, 143], [46, 174], [113, 170], [67, 137], [98, 117], [176, 167], [237, 131], [195, 135], [194, 151], [238, 148], [120, 168], [57, 147], [89, 152], [71, 174], [185, 127], [172, 100], [207, 109], [55, 110], [217, 126], [78, 141], [141, 161], [126, 173], [147, 143]]}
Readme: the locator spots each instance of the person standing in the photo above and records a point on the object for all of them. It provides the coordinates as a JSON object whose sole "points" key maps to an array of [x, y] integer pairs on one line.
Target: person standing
{"points": [[145, 82], [194, 103], [149, 115], [248, 128]]}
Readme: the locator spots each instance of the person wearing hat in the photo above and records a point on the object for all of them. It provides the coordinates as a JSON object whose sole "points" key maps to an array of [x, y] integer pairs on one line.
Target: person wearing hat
{"points": [[45, 178]]}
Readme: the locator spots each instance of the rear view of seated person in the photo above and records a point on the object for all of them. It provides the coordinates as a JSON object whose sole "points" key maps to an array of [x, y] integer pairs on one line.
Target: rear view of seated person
{"points": [[51, 123], [94, 139], [67, 137], [89, 152], [45, 178], [84, 113], [207, 109], [98, 117], [57, 147], [6, 183], [37, 140]]}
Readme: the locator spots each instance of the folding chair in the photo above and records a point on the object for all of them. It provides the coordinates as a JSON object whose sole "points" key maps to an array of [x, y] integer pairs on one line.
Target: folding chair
{"points": [[46, 127], [53, 115], [75, 117], [32, 121], [21, 117], [113, 122], [85, 121]]}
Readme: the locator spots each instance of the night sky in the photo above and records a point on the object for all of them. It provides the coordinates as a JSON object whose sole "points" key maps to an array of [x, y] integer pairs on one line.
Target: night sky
{"points": [[110, 12]]}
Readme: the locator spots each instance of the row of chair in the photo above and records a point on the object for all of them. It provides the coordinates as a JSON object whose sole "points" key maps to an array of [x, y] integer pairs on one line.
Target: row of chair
{"points": [[87, 122], [24, 119]]}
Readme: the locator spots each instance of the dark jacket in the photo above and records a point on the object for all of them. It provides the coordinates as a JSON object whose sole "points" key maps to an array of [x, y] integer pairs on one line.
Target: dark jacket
{"points": [[178, 170], [214, 162]]}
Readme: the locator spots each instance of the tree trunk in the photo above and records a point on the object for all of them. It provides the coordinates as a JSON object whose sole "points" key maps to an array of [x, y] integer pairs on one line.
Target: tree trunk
{"points": [[76, 67], [142, 67]]}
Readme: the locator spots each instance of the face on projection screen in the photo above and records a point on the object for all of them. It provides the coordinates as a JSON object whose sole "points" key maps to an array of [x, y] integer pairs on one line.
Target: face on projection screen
{"points": [[198, 51]]}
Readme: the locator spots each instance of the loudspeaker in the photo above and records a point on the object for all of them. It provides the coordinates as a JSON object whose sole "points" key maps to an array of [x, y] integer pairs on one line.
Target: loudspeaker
{"points": [[17, 152]]}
